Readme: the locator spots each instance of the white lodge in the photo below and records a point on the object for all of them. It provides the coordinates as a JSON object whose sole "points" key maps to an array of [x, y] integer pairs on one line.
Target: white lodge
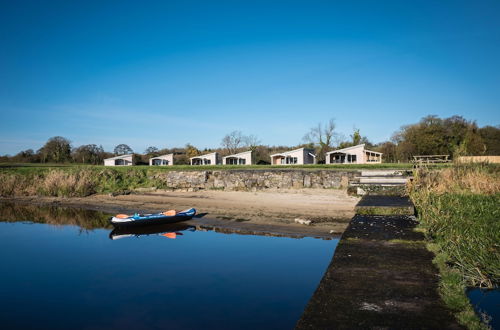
{"points": [[353, 155], [164, 160], [294, 157], [242, 158], [123, 160], [208, 159]]}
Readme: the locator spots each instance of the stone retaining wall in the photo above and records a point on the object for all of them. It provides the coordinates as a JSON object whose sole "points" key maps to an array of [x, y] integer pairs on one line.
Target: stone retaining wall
{"points": [[254, 179]]}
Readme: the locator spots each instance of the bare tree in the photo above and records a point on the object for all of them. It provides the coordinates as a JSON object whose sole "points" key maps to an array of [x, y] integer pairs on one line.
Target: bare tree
{"points": [[233, 141], [251, 141], [322, 137]]}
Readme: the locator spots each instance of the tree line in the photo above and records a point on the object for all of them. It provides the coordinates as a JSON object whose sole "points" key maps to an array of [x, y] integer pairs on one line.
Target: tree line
{"points": [[454, 136]]}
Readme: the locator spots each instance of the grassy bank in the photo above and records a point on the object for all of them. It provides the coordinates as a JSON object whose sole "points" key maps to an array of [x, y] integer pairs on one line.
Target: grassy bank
{"points": [[78, 181], [458, 210], [41, 167], [73, 181]]}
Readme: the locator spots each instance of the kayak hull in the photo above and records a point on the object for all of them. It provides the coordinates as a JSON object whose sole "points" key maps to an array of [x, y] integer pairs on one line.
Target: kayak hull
{"points": [[152, 219]]}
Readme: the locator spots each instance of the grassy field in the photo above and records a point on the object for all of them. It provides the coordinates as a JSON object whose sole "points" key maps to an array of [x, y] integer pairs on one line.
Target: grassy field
{"points": [[33, 166], [70, 180], [459, 212]]}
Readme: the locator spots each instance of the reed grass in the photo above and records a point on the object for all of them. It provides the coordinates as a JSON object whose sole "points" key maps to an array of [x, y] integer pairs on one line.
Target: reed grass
{"points": [[73, 181], [85, 180], [458, 209]]}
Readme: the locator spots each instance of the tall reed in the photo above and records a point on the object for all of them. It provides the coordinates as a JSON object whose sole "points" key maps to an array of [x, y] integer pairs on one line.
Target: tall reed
{"points": [[459, 210]]}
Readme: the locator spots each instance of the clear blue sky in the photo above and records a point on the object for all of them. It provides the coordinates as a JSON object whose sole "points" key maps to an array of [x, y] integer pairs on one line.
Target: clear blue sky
{"points": [[170, 72]]}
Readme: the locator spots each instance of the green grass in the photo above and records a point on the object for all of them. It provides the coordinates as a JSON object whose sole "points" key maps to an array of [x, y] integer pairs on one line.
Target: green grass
{"points": [[32, 166], [452, 289], [72, 180], [466, 228], [463, 230]]}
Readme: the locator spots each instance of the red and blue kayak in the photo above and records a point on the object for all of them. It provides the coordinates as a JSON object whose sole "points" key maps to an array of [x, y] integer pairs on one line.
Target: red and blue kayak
{"points": [[171, 216]]}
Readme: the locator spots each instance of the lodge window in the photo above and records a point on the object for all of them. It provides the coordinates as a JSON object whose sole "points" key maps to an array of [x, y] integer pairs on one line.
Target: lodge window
{"points": [[242, 161], [351, 158], [207, 161]]}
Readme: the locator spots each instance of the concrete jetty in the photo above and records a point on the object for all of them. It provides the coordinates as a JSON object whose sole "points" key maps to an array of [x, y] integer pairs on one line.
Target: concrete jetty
{"points": [[381, 275]]}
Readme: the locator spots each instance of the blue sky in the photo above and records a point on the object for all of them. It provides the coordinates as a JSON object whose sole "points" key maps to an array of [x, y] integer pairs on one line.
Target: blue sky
{"points": [[171, 72]]}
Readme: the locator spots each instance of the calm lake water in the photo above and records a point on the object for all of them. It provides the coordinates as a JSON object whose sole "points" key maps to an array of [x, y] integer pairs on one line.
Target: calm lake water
{"points": [[487, 301], [60, 269]]}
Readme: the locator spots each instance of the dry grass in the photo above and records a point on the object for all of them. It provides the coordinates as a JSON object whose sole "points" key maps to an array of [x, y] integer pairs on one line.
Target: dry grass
{"points": [[458, 211], [462, 178], [70, 184], [52, 183]]}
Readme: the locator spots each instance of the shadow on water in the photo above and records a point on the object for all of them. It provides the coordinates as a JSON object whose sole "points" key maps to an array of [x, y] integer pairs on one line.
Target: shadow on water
{"points": [[54, 215]]}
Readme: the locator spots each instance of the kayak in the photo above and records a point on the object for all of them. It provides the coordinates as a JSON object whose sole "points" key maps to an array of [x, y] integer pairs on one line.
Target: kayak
{"points": [[170, 230], [171, 216]]}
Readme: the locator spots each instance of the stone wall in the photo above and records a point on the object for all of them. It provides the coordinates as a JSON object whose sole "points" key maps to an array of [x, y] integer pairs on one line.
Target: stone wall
{"points": [[245, 180]]}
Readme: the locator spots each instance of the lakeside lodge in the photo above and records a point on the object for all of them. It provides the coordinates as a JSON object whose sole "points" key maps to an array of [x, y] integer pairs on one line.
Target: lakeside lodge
{"points": [[123, 160], [294, 157], [207, 159], [165, 160], [353, 155], [242, 158], [302, 156]]}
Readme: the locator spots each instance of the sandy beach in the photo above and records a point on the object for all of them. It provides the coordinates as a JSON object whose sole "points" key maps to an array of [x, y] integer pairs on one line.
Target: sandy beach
{"points": [[329, 210]]}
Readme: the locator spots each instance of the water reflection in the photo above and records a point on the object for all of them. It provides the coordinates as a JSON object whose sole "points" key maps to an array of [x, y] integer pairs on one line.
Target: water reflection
{"points": [[486, 303], [206, 280], [54, 215], [171, 231]]}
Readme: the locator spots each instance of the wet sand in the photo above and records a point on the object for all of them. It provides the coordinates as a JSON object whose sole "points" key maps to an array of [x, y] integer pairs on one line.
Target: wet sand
{"points": [[329, 210]]}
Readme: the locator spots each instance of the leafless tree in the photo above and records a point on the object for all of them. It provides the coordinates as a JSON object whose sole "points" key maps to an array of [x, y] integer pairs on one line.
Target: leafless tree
{"points": [[233, 141], [322, 137], [251, 141]]}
